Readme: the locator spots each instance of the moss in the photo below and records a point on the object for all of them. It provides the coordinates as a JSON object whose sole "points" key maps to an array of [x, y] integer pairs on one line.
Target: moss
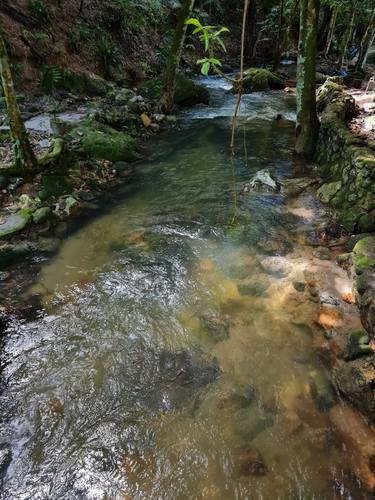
{"points": [[53, 186], [327, 191], [187, 92], [101, 142], [257, 79], [367, 223], [362, 262]]}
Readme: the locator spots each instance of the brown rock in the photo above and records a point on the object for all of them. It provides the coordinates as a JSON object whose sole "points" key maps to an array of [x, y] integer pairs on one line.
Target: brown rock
{"points": [[249, 462]]}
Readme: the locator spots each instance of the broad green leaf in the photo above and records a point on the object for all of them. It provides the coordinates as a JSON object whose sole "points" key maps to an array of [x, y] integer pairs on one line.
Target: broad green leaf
{"points": [[205, 68]]}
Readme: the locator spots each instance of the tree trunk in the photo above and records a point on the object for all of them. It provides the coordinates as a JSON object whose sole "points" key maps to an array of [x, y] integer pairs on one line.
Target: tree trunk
{"points": [[331, 31], [251, 30], [280, 38], [307, 126], [348, 36], [366, 43], [167, 97], [24, 156]]}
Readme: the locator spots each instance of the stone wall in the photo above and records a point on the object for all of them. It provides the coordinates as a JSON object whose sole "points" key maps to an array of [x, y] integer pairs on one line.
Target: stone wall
{"points": [[345, 162]]}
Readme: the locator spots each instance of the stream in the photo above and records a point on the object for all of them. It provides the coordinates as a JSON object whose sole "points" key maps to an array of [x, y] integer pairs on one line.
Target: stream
{"points": [[173, 352]]}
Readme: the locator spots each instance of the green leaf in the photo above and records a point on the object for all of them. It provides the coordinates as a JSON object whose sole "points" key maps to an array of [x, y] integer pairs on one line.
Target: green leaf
{"points": [[194, 22], [205, 68]]}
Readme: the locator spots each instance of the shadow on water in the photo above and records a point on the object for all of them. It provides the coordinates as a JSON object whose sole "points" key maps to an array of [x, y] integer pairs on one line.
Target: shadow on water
{"points": [[173, 357]]}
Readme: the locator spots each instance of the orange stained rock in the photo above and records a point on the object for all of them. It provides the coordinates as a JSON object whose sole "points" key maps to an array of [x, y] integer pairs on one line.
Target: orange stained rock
{"points": [[145, 120], [329, 318], [348, 297]]}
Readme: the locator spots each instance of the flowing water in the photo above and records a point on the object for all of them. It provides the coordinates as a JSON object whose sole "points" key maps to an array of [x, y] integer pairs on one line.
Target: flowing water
{"points": [[172, 357]]}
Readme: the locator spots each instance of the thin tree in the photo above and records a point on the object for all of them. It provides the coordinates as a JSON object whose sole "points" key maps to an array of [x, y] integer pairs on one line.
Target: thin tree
{"points": [[307, 125], [331, 30], [349, 34], [366, 42], [24, 157], [167, 97], [280, 37]]}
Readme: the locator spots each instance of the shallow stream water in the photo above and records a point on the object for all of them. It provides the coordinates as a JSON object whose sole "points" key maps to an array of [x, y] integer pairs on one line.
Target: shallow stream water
{"points": [[173, 354]]}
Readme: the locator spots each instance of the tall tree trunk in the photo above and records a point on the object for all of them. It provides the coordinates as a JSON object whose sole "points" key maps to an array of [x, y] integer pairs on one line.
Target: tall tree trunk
{"points": [[366, 43], [251, 30], [331, 31], [307, 126], [280, 37], [349, 34], [24, 156], [325, 17], [167, 97]]}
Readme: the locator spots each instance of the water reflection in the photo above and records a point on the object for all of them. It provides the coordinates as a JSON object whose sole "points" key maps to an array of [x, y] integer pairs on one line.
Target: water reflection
{"points": [[175, 356]]}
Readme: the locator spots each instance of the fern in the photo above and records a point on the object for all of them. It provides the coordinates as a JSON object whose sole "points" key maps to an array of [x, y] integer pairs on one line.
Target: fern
{"points": [[52, 78]]}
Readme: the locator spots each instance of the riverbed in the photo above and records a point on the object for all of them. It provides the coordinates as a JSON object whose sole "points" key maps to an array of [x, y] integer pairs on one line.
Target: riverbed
{"points": [[173, 353]]}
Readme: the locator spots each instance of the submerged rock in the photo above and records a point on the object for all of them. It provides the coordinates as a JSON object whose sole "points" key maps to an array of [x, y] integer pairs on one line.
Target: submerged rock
{"points": [[251, 421], [356, 381], [262, 181], [322, 391], [364, 254], [217, 325], [358, 346], [248, 461]]}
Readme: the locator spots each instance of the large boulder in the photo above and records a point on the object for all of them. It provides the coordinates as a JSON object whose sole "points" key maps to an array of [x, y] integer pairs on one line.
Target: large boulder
{"points": [[187, 92], [101, 142], [55, 78], [257, 79]]}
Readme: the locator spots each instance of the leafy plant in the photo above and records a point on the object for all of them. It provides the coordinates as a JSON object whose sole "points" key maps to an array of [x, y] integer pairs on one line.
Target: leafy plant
{"points": [[40, 10], [108, 54], [210, 36], [52, 78]]}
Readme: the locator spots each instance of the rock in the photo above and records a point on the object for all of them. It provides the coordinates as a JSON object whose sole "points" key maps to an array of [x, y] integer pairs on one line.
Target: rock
{"points": [[146, 120], [172, 119], [13, 223], [359, 439], [85, 195], [257, 289], [299, 286], [274, 246], [158, 117], [124, 95], [364, 254], [322, 253], [321, 390], [121, 167], [366, 223], [329, 91], [251, 421], [76, 83], [343, 258], [329, 318], [217, 325], [47, 245], [358, 346], [4, 181], [27, 202], [53, 186], [98, 141], [248, 461], [41, 215], [262, 181], [356, 381], [187, 93], [11, 252], [257, 79], [294, 187], [327, 191], [236, 400], [71, 205]]}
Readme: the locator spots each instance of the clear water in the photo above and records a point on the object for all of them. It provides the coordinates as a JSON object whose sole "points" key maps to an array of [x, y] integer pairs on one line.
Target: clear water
{"points": [[171, 350]]}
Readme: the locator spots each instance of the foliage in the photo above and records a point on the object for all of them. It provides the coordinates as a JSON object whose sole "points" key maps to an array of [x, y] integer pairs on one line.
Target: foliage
{"points": [[108, 54], [40, 10], [210, 36], [52, 78]]}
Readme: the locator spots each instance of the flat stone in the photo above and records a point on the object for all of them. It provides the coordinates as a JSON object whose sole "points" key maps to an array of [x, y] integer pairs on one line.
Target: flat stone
{"points": [[11, 224]]}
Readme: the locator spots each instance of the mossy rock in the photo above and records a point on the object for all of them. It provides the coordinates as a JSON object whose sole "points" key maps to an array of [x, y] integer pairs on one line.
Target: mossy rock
{"points": [[12, 252], [53, 186], [329, 91], [257, 79], [14, 223], [366, 222], [55, 78], [101, 142], [187, 92], [364, 254], [327, 191]]}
